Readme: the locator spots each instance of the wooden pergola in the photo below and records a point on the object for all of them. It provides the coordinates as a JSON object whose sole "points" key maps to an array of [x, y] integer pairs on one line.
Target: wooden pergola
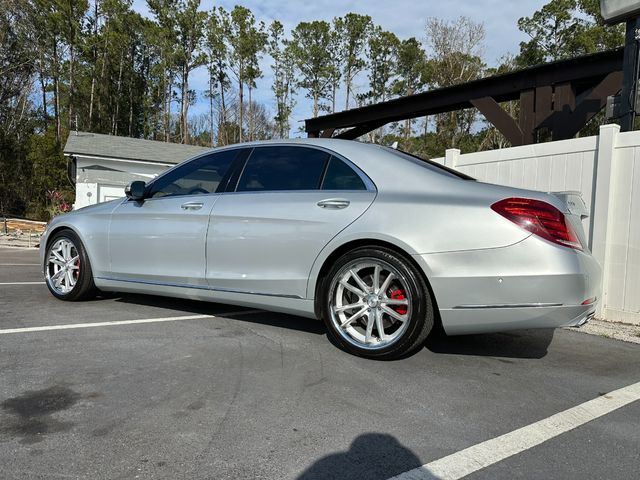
{"points": [[560, 97]]}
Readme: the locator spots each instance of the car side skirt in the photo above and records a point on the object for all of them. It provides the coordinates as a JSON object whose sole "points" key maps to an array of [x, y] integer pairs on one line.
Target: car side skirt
{"points": [[282, 304]]}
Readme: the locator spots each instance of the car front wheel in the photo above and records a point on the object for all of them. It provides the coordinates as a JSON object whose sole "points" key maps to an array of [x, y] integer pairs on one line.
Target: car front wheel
{"points": [[376, 304], [67, 269]]}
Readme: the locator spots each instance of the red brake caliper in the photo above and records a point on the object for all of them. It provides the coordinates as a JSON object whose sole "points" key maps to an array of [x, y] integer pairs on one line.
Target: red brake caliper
{"points": [[76, 272], [398, 294]]}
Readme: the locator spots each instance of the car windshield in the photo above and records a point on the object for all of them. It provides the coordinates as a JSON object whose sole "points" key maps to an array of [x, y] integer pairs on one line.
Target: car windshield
{"points": [[429, 164]]}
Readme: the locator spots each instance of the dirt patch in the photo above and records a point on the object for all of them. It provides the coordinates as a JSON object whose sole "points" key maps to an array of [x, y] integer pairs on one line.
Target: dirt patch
{"points": [[30, 414]]}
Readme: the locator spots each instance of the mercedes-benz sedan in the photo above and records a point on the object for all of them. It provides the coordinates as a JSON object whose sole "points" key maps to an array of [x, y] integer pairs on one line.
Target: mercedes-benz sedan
{"points": [[380, 245]]}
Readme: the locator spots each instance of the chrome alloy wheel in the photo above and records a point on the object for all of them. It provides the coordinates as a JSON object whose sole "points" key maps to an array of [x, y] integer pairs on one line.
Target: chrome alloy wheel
{"points": [[63, 266], [370, 304]]}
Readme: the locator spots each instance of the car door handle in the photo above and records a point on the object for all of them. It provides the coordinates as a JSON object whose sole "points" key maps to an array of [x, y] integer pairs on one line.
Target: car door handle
{"points": [[192, 206], [334, 203]]}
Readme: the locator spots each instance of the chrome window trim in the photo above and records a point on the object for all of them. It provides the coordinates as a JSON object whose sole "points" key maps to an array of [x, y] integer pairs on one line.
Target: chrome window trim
{"points": [[166, 197]]}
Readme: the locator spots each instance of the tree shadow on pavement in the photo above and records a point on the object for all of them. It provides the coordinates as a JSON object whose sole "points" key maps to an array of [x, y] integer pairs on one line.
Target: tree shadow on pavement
{"points": [[516, 344], [371, 455]]}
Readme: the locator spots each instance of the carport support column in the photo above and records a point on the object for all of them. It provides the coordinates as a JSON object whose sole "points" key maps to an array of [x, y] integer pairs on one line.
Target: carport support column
{"points": [[602, 200], [451, 157]]}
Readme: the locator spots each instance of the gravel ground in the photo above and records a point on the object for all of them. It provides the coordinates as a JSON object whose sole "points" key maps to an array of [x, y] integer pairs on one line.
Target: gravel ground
{"points": [[619, 331], [13, 240]]}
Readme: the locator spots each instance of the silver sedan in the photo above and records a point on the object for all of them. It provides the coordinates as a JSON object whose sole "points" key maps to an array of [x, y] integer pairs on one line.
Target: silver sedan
{"points": [[380, 245]]}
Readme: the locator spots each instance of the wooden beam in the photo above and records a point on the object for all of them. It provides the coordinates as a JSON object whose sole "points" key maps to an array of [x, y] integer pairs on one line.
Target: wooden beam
{"points": [[327, 133], [527, 116], [544, 106], [500, 119], [569, 123], [583, 71]]}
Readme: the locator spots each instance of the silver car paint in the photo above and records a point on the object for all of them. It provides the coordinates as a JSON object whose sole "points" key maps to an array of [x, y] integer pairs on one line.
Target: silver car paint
{"points": [[166, 235], [250, 229], [486, 273]]}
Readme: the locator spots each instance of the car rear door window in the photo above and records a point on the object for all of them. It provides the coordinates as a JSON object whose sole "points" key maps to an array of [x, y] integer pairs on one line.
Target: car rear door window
{"points": [[196, 177], [283, 168], [340, 176]]}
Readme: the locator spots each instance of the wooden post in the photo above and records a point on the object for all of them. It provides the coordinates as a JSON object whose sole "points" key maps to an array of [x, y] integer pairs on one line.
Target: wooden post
{"points": [[527, 116]]}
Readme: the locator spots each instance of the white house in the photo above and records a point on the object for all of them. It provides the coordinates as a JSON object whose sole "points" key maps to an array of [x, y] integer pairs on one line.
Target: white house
{"points": [[104, 164]]}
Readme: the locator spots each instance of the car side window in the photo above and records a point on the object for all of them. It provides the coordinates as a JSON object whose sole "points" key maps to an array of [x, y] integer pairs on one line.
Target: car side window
{"points": [[196, 177], [283, 168], [340, 176]]}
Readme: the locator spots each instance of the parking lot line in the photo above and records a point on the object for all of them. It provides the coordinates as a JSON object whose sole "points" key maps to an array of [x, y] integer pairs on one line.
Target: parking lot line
{"points": [[22, 283], [71, 326], [19, 264], [476, 457]]}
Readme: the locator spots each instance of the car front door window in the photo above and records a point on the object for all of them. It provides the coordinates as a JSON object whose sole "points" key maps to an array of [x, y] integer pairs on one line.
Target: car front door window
{"points": [[197, 177]]}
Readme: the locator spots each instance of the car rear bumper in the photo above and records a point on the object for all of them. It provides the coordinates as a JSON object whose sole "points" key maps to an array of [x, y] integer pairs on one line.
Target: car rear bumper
{"points": [[531, 284], [464, 321]]}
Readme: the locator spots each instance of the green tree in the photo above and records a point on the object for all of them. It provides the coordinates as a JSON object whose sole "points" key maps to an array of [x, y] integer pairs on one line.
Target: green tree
{"points": [[310, 46], [382, 52], [283, 78], [190, 24], [218, 63], [412, 72], [353, 30], [163, 36], [564, 29], [49, 173], [336, 60], [70, 15], [247, 40], [17, 117], [258, 38]]}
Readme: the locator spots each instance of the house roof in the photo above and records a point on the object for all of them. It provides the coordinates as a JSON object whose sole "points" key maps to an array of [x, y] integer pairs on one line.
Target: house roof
{"points": [[111, 146]]}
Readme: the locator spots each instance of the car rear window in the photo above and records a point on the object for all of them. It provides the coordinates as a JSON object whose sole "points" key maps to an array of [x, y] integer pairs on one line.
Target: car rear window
{"points": [[340, 176], [283, 168], [429, 164]]}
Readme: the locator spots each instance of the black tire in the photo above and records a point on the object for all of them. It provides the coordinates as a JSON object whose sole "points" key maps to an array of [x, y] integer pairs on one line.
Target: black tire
{"points": [[84, 287], [419, 310]]}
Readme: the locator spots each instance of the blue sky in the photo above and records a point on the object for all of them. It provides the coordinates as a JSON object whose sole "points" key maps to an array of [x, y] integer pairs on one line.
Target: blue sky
{"points": [[405, 18]]}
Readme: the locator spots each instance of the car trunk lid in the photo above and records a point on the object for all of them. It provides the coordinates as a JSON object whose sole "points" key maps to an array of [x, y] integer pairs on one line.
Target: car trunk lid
{"points": [[576, 211]]}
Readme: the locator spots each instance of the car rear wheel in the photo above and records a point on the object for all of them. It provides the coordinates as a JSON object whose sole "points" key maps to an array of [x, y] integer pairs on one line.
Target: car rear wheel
{"points": [[376, 304], [67, 269]]}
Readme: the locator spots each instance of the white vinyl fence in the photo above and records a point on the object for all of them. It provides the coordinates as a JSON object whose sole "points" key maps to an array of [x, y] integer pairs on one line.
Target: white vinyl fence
{"points": [[605, 169]]}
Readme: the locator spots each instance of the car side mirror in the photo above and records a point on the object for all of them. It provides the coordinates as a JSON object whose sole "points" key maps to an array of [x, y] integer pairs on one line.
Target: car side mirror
{"points": [[135, 190]]}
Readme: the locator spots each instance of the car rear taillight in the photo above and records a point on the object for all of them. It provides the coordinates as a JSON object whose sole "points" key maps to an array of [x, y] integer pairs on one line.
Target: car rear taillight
{"points": [[539, 218]]}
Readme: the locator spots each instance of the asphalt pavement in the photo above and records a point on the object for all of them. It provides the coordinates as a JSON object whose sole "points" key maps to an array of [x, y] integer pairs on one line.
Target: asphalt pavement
{"points": [[130, 386]]}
